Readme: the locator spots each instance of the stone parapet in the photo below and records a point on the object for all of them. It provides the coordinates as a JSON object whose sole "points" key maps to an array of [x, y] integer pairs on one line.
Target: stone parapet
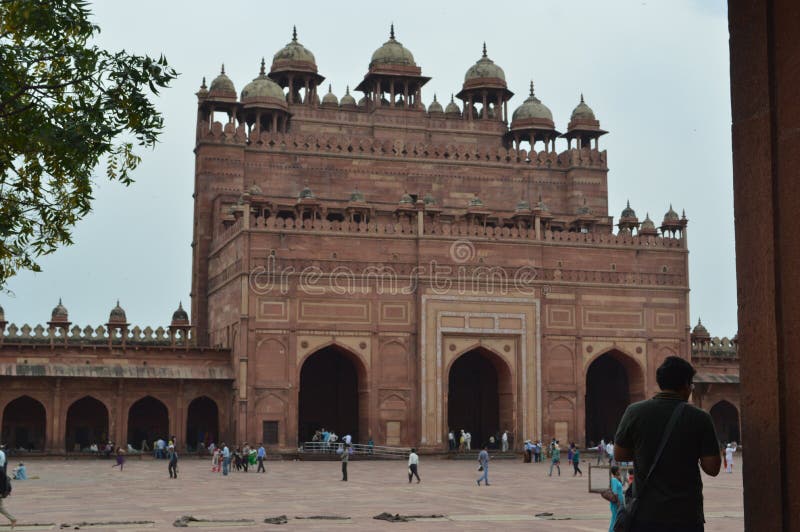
{"points": [[715, 347], [354, 147], [90, 336]]}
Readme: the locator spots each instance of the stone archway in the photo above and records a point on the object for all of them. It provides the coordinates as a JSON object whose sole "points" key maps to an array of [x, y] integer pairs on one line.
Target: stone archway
{"points": [[202, 422], [613, 381], [726, 421], [480, 397], [24, 424], [87, 423], [330, 396], [148, 420]]}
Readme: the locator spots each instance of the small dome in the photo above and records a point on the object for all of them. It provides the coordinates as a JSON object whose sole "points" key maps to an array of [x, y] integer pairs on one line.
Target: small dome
{"points": [[647, 227], [475, 202], [435, 107], [406, 199], [306, 193], [429, 199], [221, 84], [292, 54], [59, 312], [262, 87], [452, 107], [347, 99], [117, 314], [362, 102], [484, 68], [392, 53], [255, 190], [357, 196], [671, 215], [700, 331], [523, 205], [627, 212], [180, 315], [330, 98], [582, 112], [541, 205], [532, 107]]}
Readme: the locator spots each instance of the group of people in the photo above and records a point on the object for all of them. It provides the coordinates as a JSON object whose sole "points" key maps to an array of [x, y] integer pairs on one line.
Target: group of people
{"points": [[223, 460], [463, 443]]}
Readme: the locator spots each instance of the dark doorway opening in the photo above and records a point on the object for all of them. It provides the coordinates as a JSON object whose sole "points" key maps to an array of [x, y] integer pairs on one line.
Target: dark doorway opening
{"points": [[613, 381], [148, 420], [329, 396], [24, 424], [87, 423], [202, 423], [479, 397], [726, 421]]}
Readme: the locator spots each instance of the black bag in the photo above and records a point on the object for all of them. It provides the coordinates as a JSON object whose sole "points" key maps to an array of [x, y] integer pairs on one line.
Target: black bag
{"points": [[626, 514]]}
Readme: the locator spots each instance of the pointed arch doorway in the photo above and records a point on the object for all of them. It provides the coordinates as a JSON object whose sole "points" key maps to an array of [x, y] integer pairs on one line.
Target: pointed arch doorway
{"points": [[613, 381]]}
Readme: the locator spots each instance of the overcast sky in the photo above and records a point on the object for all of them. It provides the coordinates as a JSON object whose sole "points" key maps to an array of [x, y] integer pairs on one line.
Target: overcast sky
{"points": [[655, 72]]}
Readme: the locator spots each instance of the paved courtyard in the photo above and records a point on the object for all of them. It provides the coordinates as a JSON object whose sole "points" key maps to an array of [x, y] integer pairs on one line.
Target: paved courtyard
{"points": [[90, 491]]}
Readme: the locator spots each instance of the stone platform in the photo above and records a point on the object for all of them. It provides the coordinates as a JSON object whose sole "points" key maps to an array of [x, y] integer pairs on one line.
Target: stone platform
{"points": [[91, 491]]}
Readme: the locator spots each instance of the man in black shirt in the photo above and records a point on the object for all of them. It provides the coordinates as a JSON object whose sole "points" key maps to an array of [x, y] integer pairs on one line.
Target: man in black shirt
{"points": [[673, 498]]}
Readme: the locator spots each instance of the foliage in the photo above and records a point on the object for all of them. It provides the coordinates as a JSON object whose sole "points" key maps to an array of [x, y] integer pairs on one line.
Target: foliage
{"points": [[66, 106]]}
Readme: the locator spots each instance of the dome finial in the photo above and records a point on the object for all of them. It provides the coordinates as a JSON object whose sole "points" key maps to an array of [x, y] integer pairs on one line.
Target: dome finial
{"points": [[531, 87], [294, 33], [451, 98], [222, 70], [203, 85], [484, 48], [582, 98], [330, 88], [347, 89], [629, 204], [263, 71], [434, 97], [391, 32]]}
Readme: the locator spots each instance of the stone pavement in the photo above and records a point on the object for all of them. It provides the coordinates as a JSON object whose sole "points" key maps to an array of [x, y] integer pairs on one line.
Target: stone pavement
{"points": [[91, 491]]}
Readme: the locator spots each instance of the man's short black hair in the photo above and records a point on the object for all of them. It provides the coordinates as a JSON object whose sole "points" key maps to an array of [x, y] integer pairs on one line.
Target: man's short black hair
{"points": [[674, 373]]}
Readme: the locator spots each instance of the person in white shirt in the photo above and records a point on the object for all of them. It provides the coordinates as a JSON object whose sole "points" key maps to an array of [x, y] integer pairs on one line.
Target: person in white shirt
{"points": [[413, 463], [468, 441], [610, 452], [348, 439], [451, 439], [601, 452], [505, 440], [729, 450]]}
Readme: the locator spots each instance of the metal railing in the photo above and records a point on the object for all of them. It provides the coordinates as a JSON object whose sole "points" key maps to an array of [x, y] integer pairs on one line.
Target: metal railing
{"points": [[359, 449]]}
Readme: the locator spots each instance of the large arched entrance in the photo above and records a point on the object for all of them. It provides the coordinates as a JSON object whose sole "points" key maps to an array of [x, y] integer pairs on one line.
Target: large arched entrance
{"points": [[148, 420], [613, 381], [480, 398], [87, 423], [726, 421], [24, 423], [329, 393], [202, 422]]}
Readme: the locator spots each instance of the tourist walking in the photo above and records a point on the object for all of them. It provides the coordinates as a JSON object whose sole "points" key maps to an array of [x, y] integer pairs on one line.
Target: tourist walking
{"points": [[262, 454], [468, 440], [345, 460], [413, 464], [172, 455], [555, 453], [462, 439], [576, 462], [451, 440], [226, 459], [5, 487], [120, 459], [601, 451], [729, 450], [528, 452], [483, 460], [616, 490], [537, 452], [504, 440], [216, 460]]}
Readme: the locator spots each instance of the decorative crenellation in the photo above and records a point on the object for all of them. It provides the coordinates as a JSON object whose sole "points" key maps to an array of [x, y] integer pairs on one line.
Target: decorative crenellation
{"points": [[368, 146], [716, 347], [90, 335]]}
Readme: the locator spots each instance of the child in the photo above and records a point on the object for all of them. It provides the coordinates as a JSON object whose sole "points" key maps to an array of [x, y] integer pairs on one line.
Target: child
{"points": [[19, 473], [120, 459], [215, 461], [576, 462]]}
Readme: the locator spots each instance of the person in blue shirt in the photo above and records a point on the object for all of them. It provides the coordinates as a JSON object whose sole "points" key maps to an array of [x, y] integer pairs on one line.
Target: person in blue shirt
{"points": [[262, 454], [616, 489], [226, 459], [483, 459]]}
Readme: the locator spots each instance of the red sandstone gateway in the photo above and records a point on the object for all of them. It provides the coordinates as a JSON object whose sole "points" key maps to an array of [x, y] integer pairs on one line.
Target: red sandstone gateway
{"points": [[380, 269]]}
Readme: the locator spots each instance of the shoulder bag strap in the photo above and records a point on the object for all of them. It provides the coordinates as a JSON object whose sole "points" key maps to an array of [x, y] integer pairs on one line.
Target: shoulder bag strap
{"points": [[670, 425]]}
